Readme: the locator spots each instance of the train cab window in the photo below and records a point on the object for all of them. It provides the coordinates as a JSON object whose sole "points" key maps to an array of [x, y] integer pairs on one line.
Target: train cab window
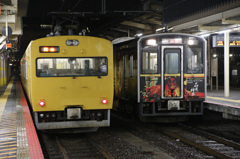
{"points": [[149, 60], [172, 63], [195, 60], [61, 67]]}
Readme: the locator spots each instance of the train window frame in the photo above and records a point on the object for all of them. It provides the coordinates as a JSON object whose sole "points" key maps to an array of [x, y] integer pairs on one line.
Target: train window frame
{"points": [[168, 51], [100, 70], [195, 64], [156, 65]]}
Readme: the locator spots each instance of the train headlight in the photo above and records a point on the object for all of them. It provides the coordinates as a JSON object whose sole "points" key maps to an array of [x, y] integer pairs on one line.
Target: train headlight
{"points": [[41, 103], [72, 42], [104, 101], [49, 49], [190, 42], [151, 42]]}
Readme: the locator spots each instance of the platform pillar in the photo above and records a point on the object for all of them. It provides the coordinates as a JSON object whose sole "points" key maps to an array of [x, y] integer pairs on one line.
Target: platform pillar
{"points": [[226, 64], [1, 71]]}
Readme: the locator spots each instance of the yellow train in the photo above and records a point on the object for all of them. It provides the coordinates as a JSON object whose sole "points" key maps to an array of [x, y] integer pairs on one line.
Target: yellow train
{"points": [[69, 81]]}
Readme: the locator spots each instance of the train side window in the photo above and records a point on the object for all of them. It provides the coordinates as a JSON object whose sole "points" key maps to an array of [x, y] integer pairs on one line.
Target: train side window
{"points": [[131, 66], [195, 60], [72, 66], [149, 61], [26, 71]]}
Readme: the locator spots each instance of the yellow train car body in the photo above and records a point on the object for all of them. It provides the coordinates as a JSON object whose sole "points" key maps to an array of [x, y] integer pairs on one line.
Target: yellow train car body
{"points": [[61, 92]]}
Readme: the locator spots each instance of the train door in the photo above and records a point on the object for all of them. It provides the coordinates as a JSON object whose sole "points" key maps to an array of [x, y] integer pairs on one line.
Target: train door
{"points": [[172, 75], [126, 69]]}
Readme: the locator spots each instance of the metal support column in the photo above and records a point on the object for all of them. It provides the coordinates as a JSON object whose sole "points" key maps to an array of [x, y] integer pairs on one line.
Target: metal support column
{"points": [[209, 79], [6, 24], [1, 71], [226, 64]]}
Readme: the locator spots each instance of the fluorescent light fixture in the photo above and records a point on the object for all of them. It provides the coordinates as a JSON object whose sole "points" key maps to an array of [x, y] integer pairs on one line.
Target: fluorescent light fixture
{"points": [[163, 28], [160, 29], [139, 34]]}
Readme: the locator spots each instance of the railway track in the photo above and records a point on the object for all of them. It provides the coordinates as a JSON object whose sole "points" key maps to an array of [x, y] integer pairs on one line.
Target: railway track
{"points": [[66, 146], [212, 145], [133, 139]]}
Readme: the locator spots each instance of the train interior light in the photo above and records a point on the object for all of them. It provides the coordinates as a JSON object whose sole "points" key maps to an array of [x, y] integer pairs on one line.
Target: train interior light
{"points": [[72, 61]]}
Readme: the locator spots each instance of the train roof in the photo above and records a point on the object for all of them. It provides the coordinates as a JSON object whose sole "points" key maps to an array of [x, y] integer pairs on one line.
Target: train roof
{"points": [[122, 39]]}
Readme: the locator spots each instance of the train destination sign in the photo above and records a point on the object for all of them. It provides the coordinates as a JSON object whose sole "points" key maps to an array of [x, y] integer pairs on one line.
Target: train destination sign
{"points": [[218, 41]]}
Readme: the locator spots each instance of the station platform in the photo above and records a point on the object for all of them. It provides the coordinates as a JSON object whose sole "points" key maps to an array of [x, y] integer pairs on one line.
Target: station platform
{"points": [[228, 106], [18, 137]]}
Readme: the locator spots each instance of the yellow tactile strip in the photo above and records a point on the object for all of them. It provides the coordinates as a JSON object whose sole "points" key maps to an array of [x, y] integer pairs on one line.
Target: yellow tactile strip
{"points": [[22, 142], [4, 97], [8, 136], [224, 99]]}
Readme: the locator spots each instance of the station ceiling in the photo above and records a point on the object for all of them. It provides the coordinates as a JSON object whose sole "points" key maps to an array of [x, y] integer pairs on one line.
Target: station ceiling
{"points": [[32, 19]]}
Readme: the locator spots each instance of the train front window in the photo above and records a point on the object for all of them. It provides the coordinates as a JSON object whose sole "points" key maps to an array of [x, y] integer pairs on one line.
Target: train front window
{"points": [[172, 63], [149, 60], [61, 67], [195, 60]]}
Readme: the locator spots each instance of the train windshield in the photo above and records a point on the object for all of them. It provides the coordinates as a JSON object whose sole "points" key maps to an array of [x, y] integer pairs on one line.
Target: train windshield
{"points": [[71, 66], [195, 60], [149, 60]]}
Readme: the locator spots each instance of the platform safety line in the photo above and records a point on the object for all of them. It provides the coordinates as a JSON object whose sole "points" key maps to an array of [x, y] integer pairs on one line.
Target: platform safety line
{"points": [[33, 142], [224, 99], [4, 98], [9, 157]]}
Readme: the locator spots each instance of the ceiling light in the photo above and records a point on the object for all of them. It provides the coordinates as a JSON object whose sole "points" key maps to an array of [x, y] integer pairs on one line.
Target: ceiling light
{"points": [[160, 29], [139, 34]]}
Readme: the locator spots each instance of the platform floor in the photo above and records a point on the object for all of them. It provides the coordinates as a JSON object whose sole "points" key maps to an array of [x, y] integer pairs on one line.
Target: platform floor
{"points": [[228, 106], [18, 137], [217, 96]]}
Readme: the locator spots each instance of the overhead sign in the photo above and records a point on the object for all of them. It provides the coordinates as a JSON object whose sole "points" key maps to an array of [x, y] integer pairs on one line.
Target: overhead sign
{"points": [[218, 41]]}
